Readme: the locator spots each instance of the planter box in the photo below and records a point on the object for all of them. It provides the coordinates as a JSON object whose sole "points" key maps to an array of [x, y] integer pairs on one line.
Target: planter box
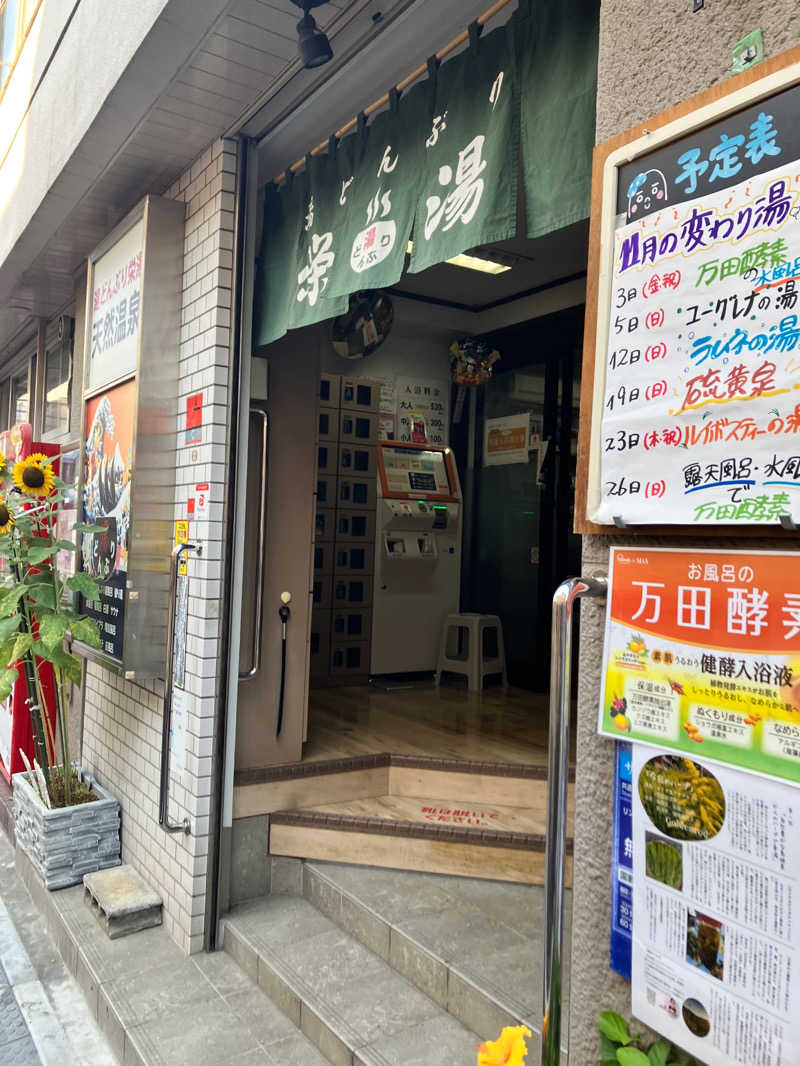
{"points": [[66, 843]]}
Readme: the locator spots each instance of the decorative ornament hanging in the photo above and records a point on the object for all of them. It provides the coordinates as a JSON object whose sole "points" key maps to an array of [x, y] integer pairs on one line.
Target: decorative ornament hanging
{"points": [[471, 363]]}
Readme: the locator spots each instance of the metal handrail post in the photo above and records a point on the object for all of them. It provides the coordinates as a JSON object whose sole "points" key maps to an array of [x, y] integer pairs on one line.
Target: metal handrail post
{"points": [[258, 410], [557, 779], [163, 794]]}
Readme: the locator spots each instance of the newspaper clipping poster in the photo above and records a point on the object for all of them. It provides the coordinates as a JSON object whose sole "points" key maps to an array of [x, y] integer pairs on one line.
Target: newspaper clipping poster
{"points": [[716, 936]]}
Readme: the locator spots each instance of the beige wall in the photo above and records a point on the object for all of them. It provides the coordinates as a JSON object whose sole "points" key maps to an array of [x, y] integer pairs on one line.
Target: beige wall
{"points": [[652, 56]]}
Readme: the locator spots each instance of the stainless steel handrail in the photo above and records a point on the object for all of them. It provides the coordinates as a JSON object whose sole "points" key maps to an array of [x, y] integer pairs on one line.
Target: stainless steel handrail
{"points": [[557, 778], [163, 819], [255, 656]]}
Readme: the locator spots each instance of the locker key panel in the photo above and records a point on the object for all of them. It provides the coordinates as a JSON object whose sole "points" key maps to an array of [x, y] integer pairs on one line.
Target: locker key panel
{"points": [[327, 457], [330, 390], [320, 644], [353, 559], [358, 427], [352, 592], [360, 394], [322, 592], [324, 524], [349, 659], [351, 625], [323, 558], [326, 490], [328, 424], [355, 526], [358, 459], [357, 492]]}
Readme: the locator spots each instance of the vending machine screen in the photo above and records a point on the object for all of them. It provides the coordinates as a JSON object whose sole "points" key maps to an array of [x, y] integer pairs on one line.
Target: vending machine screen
{"points": [[416, 470]]}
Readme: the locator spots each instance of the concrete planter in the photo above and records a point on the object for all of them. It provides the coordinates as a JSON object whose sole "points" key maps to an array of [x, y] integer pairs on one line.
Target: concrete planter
{"points": [[67, 843]]}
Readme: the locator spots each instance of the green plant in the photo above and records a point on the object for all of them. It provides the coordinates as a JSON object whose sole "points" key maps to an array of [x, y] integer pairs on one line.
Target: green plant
{"points": [[35, 616], [619, 1048]]}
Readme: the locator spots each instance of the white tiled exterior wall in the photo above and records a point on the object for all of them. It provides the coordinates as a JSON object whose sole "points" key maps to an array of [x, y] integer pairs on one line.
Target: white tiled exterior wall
{"points": [[122, 720]]}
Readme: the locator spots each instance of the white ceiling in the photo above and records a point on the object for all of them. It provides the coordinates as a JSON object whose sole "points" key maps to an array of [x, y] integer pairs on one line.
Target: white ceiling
{"points": [[203, 67], [214, 66]]}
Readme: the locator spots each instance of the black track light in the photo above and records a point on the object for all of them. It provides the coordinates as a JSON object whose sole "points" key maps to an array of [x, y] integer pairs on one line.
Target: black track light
{"points": [[315, 48]]}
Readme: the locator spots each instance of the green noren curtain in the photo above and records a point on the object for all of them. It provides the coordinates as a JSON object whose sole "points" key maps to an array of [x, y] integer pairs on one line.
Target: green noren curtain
{"points": [[443, 158], [557, 53], [468, 187], [381, 196]]}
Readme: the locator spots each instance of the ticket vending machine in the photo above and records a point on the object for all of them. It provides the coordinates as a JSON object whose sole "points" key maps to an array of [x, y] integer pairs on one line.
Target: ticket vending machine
{"points": [[417, 556]]}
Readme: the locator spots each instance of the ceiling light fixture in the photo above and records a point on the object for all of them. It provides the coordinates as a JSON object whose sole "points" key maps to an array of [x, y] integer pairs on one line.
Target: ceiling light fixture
{"points": [[315, 48], [476, 262], [471, 262]]}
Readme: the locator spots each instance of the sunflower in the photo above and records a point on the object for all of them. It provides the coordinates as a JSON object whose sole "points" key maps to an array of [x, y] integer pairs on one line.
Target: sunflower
{"points": [[6, 517], [34, 475], [509, 1050]]}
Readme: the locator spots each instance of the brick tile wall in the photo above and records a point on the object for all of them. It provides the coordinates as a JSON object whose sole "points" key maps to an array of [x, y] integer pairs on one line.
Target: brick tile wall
{"points": [[122, 720]]}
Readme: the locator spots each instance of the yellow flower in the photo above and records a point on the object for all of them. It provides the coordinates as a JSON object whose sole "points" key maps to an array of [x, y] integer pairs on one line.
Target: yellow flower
{"points": [[34, 475], [6, 517], [509, 1050]]}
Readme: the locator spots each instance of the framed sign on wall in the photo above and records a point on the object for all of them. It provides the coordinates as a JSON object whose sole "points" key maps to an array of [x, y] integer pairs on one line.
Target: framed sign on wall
{"points": [[690, 402], [127, 463]]}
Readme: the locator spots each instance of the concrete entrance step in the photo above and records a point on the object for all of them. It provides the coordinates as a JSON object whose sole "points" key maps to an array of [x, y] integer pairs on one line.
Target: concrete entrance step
{"points": [[473, 946], [347, 999], [157, 1006], [446, 836]]}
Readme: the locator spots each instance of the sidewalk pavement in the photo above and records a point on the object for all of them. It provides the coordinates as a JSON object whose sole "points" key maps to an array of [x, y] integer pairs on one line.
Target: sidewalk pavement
{"points": [[44, 1018]]}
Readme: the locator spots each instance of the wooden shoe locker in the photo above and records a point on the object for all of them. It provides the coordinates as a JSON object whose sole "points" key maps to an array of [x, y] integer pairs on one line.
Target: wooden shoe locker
{"points": [[344, 535]]}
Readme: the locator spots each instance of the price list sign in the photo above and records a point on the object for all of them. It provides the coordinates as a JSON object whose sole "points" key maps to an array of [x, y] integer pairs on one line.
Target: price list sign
{"points": [[700, 405]]}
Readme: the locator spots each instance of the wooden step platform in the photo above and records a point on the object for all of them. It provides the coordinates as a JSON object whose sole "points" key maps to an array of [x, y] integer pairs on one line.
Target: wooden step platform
{"points": [[469, 838]]}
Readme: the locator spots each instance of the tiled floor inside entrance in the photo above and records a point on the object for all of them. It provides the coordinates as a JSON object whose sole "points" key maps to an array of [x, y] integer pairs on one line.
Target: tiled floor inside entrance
{"points": [[412, 777], [497, 725]]}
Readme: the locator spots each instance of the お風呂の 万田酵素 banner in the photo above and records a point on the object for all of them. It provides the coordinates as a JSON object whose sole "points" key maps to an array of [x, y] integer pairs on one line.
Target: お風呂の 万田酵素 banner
{"points": [[702, 655]]}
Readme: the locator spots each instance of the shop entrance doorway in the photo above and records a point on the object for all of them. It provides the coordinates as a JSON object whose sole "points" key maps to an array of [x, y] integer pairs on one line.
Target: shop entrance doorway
{"points": [[400, 759]]}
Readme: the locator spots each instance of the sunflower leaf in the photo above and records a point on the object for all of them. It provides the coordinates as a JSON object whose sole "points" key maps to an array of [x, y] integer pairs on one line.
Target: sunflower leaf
{"points": [[7, 651], [22, 643], [8, 626], [52, 629], [43, 596], [88, 527], [7, 679], [37, 553], [86, 631], [83, 584], [10, 599], [69, 665]]}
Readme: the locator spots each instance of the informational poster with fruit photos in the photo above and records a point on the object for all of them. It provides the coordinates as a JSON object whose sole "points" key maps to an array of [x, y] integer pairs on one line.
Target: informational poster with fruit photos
{"points": [[716, 910], [702, 655]]}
